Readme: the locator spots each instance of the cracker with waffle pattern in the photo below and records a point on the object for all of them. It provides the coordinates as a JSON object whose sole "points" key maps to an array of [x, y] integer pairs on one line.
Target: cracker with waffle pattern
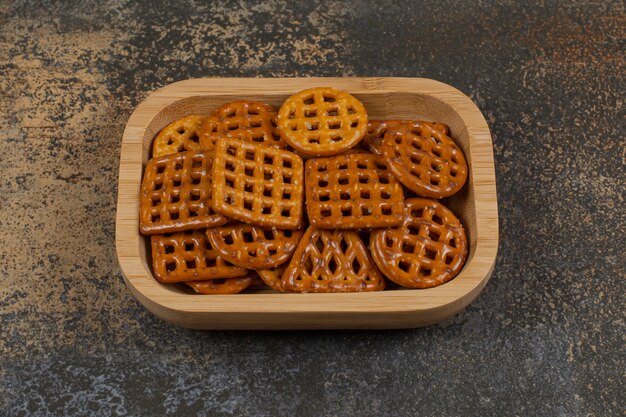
{"points": [[189, 256], [425, 160], [222, 285], [179, 136], [273, 277], [245, 120], [254, 247], [176, 194], [331, 261], [257, 283], [322, 121], [352, 191], [257, 184], [427, 250], [376, 130]]}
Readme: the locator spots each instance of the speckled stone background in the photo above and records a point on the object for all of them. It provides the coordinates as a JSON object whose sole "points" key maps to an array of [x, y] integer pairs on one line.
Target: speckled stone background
{"points": [[545, 338]]}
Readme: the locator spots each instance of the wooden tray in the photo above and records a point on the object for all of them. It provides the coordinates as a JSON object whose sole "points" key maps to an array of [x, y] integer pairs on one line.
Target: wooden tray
{"points": [[384, 98]]}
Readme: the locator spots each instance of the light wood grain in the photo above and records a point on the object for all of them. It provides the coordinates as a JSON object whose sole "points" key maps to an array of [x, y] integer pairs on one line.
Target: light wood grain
{"points": [[384, 98]]}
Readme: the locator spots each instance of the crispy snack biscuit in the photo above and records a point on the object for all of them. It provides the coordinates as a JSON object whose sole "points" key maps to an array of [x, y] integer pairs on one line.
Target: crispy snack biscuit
{"points": [[176, 194], [222, 285], [254, 247], [352, 191], [257, 184], [322, 121], [272, 277], [245, 120], [331, 261], [376, 130], [429, 248], [442, 127], [179, 136], [257, 283], [188, 256], [425, 160]]}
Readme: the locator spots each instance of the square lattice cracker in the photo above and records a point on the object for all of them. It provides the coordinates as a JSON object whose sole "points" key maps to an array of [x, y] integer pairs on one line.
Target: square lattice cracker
{"points": [[257, 184], [352, 191], [176, 194], [189, 256]]}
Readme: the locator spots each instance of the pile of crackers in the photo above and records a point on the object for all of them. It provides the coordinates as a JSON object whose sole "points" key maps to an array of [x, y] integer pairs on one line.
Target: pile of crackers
{"points": [[314, 197]]}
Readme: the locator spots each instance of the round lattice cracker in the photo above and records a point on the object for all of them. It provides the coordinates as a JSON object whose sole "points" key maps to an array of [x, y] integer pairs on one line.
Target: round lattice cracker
{"points": [[425, 160], [179, 136], [429, 248], [376, 130], [273, 277], [254, 247], [331, 261], [257, 283], [245, 120], [322, 121], [222, 286], [442, 127]]}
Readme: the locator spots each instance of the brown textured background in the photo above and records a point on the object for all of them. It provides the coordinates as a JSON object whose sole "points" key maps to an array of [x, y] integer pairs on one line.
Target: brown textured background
{"points": [[546, 337]]}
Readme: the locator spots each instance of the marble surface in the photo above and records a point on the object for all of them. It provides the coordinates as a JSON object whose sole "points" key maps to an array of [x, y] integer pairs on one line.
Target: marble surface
{"points": [[545, 338]]}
